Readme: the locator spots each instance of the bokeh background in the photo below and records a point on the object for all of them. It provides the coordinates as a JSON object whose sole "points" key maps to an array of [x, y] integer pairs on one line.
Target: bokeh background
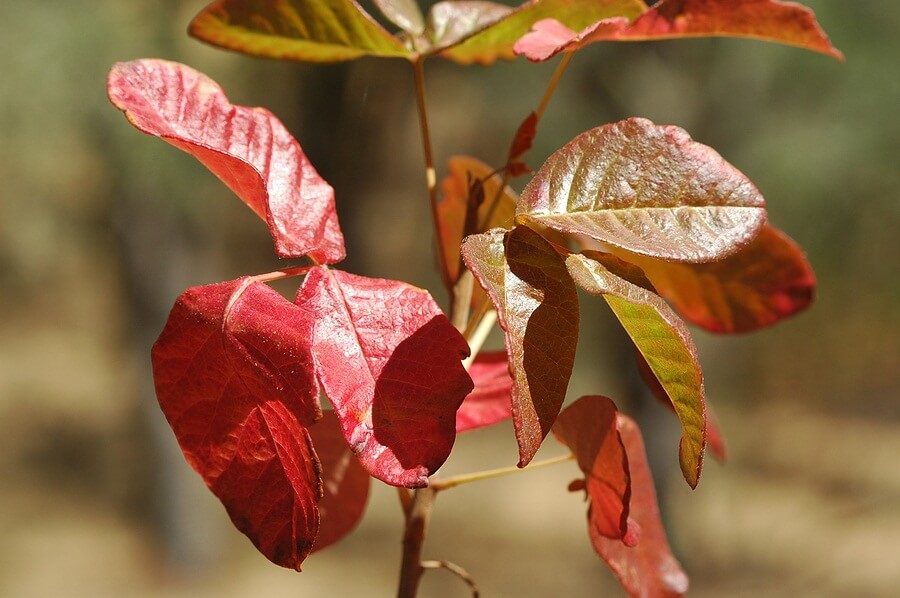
{"points": [[101, 228]]}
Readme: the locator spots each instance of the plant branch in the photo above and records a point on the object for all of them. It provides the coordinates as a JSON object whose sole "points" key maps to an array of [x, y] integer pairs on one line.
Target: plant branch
{"points": [[417, 517], [554, 82], [456, 570], [468, 478], [285, 273], [479, 335]]}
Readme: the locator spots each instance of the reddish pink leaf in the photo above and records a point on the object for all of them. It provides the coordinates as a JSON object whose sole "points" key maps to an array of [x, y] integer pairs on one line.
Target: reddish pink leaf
{"points": [[234, 377], [389, 361], [588, 428], [770, 20], [491, 401], [247, 148], [537, 308], [344, 482], [648, 569]]}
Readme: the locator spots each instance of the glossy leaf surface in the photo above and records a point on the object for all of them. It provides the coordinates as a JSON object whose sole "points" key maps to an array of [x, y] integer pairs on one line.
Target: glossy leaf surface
{"points": [[234, 377], [496, 41], [537, 307], [453, 21], [405, 14], [389, 361], [588, 427], [305, 30], [770, 20], [491, 401], [345, 484], [666, 344], [648, 189], [247, 148], [648, 569], [764, 283]]}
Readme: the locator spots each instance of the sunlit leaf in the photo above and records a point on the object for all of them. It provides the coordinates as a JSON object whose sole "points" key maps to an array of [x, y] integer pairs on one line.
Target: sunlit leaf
{"points": [[666, 344], [588, 428], [648, 569], [764, 283], [770, 20], [405, 14], [491, 401], [345, 484], [648, 189], [389, 361], [234, 377], [452, 208], [247, 148], [537, 307], [452, 21], [305, 30], [491, 39]]}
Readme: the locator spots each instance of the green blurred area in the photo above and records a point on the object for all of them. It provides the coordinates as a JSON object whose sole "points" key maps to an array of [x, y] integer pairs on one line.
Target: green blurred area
{"points": [[102, 227]]}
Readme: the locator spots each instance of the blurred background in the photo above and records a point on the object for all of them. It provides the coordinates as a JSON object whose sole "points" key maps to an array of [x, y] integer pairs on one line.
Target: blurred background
{"points": [[101, 228]]}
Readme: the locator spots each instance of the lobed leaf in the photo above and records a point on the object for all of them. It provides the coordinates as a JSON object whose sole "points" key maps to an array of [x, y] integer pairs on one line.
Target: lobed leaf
{"points": [[537, 307], [491, 401], [769, 20], [666, 344], [304, 30], [648, 189], [389, 361], [345, 484], [764, 283], [453, 21], [486, 39], [234, 377], [247, 148], [405, 14], [588, 428], [648, 569]]}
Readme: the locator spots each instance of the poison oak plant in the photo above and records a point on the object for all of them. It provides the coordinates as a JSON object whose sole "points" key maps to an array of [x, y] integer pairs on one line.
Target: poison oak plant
{"points": [[658, 226]]}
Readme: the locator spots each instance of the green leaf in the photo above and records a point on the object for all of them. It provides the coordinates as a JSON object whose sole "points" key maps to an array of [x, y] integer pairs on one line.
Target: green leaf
{"points": [[648, 189], [664, 341], [485, 42], [405, 14], [304, 30], [537, 307]]}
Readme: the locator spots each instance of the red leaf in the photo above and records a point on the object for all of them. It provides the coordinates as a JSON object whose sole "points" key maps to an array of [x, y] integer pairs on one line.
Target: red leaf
{"points": [[770, 20], [537, 308], [588, 428], [247, 148], [524, 138], [344, 482], [491, 401], [648, 569], [389, 361], [234, 377]]}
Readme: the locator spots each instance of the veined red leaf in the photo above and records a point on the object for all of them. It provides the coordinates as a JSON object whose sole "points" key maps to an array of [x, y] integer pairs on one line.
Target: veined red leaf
{"points": [[648, 189], [524, 138], [485, 40], [537, 307], [666, 344], [389, 361], [715, 440], [764, 283], [769, 20], [247, 148], [648, 569], [491, 401], [345, 484], [405, 14], [588, 428], [234, 377], [452, 208], [304, 30]]}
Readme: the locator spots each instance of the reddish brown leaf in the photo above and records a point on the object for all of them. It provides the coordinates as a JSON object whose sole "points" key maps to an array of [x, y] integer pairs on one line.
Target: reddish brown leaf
{"points": [[234, 377], [648, 189], [491, 401], [247, 148], [524, 138], [389, 361], [588, 428], [537, 307], [648, 569], [764, 283], [769, 20], [345, 483]]}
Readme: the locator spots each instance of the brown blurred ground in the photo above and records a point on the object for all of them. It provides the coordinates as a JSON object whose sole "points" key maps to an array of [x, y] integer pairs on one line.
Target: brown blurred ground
{"points": [[100, 229]]}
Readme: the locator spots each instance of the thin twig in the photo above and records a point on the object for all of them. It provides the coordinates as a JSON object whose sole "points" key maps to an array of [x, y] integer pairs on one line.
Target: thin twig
{"points": [[456, 570], [279, 274], [554, 81], [477, 338], [468, 478]]}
